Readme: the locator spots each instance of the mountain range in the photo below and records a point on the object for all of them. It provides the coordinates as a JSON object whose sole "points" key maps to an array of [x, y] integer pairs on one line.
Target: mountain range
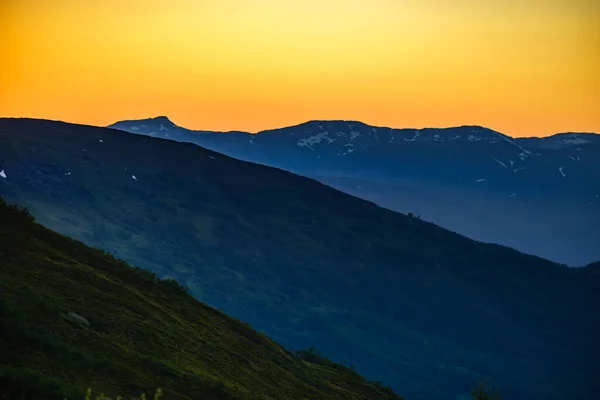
{"points": [[405, 301], [537, 195]]}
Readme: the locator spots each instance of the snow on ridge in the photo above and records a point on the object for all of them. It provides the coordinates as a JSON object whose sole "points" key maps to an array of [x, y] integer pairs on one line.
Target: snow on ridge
{"points": [[474, 138], [571, 139], [499, 162], [133, 177], [511, 141], [480, 180], [518, 169], [162, 128], [575, 141], [312, 140], [100, 140], [135, 128], [414, 138], [562, 172], [3, 174]]}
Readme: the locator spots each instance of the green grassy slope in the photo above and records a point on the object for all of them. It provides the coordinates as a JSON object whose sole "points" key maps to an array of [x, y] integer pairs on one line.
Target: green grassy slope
{"points": [[416, 306], [143, 333]]}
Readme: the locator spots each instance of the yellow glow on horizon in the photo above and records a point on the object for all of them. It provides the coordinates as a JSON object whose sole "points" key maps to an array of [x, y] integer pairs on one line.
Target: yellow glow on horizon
{"points": [[523, 69]]}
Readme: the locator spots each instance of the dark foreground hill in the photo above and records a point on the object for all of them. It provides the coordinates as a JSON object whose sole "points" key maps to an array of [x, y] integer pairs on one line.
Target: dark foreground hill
{"points": [[73, 317], [409, 303]]}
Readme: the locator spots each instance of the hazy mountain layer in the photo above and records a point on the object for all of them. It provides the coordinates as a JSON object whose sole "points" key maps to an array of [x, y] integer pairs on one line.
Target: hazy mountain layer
{"points": [[538, 195]]}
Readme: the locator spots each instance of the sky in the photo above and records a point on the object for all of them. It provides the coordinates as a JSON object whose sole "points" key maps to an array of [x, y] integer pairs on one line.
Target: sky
{"points": [[524, 68]]}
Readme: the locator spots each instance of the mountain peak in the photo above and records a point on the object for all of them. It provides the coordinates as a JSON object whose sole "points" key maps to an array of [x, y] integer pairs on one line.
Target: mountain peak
{"points": [[162, 119]]}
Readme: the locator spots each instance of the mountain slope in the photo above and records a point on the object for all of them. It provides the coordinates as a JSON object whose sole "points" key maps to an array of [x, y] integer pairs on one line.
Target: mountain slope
{"points": [[139, 333], [407, 302], [468, 179]]}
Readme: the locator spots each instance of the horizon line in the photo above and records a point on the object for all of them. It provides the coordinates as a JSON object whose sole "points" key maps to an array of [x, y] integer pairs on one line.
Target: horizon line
{"points": [[297, 124]]}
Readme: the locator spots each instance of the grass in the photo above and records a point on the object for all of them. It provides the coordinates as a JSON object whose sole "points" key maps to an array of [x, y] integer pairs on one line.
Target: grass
{"points": [[74, 317]]}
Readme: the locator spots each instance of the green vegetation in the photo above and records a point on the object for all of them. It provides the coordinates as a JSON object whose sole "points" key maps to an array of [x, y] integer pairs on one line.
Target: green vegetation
{"points": [[73, 317], [88, 396], [482, 392], [404, 301], [594, 266], [314, 356]]}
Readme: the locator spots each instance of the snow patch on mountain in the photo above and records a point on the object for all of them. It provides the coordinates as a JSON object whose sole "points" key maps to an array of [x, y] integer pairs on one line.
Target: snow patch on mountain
{"points": [[313, 140], [474, 138], [499, 162], [414, 138], [511, 141], [3, 174], [562, 172], [575, 141], [571, 139]]}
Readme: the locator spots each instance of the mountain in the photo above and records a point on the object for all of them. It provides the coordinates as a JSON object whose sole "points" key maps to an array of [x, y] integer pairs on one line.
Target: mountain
{"points": [[405, 301], [538, 195], [73, 317], [595, 266]]}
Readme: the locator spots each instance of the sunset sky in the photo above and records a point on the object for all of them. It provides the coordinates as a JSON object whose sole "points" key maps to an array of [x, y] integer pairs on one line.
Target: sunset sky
{"points": [[521, 67]]}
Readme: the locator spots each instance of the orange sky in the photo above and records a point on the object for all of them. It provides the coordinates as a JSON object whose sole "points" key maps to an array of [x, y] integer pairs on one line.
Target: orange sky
{"points": [[530, 69]]}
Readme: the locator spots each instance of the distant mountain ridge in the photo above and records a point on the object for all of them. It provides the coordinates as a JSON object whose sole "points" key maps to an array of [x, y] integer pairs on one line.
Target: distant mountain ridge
{"points": [[152, 123], [538, 195]]}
